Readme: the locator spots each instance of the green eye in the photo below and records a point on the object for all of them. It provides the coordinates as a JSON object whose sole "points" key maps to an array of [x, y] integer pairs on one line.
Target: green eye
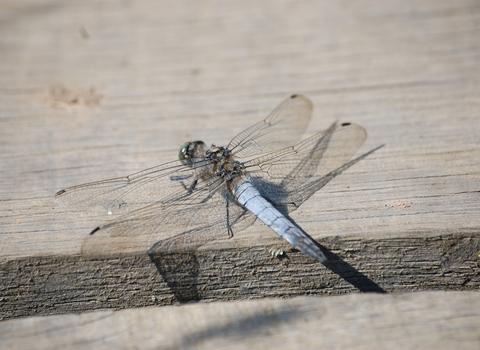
{"points": [[191, 150], [183, 155]]}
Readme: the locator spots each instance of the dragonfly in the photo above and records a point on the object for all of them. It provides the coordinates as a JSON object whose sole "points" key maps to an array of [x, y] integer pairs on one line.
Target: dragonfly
{"points": [[264, 173]]}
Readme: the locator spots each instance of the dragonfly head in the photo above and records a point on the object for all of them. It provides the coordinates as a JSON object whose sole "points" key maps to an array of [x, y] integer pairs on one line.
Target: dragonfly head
{"points": [[191, 150]]}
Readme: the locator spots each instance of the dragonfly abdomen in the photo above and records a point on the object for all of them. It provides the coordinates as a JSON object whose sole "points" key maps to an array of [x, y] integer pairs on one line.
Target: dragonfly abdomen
{"points": [[252, 199]]}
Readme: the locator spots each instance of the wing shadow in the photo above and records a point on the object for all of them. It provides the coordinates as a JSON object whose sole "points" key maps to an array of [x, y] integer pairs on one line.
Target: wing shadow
{"points": [[179, 271]]}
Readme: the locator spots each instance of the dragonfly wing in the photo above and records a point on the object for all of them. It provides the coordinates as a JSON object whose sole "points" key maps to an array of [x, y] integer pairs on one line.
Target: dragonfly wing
{"points": [[184, 223], [288, 177], [236, 220], [283, 127], [118, 196]]}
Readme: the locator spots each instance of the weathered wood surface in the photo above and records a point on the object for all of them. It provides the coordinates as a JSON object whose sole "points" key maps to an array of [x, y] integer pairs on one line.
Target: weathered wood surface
{"points": [[92, 90], [370, 321]]}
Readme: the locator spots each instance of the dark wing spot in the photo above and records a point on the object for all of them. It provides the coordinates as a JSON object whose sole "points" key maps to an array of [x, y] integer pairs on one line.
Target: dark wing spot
{"points": [[59, 193], [293, 96], [95, 230], [346, 124]]}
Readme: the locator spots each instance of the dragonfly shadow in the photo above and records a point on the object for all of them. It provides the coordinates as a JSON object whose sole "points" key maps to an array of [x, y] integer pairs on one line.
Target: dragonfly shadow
{"points": [[350, 274], [179, 271]]}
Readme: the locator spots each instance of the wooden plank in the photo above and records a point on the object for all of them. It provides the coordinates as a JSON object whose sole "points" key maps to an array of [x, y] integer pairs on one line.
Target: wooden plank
{"points": [[93, 90], [425, 320]]}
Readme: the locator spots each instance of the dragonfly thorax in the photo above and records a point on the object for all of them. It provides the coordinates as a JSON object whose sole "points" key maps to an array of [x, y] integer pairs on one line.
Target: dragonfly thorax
{"points": [[225, 166]]}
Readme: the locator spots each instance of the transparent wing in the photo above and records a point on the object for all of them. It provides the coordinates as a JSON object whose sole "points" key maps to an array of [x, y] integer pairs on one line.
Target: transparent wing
{"points": [[183, 224], [118, 196], [224, 218], [283, 127], [288, 177], [175, 207], [115, 197]]}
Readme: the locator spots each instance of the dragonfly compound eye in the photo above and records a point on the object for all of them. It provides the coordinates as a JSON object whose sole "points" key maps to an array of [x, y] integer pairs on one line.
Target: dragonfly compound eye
{"points": [[190, 150]]}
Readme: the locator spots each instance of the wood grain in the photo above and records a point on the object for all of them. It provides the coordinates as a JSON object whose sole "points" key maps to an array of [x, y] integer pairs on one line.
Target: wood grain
{"points": [[94, 90], [369, 321]]}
